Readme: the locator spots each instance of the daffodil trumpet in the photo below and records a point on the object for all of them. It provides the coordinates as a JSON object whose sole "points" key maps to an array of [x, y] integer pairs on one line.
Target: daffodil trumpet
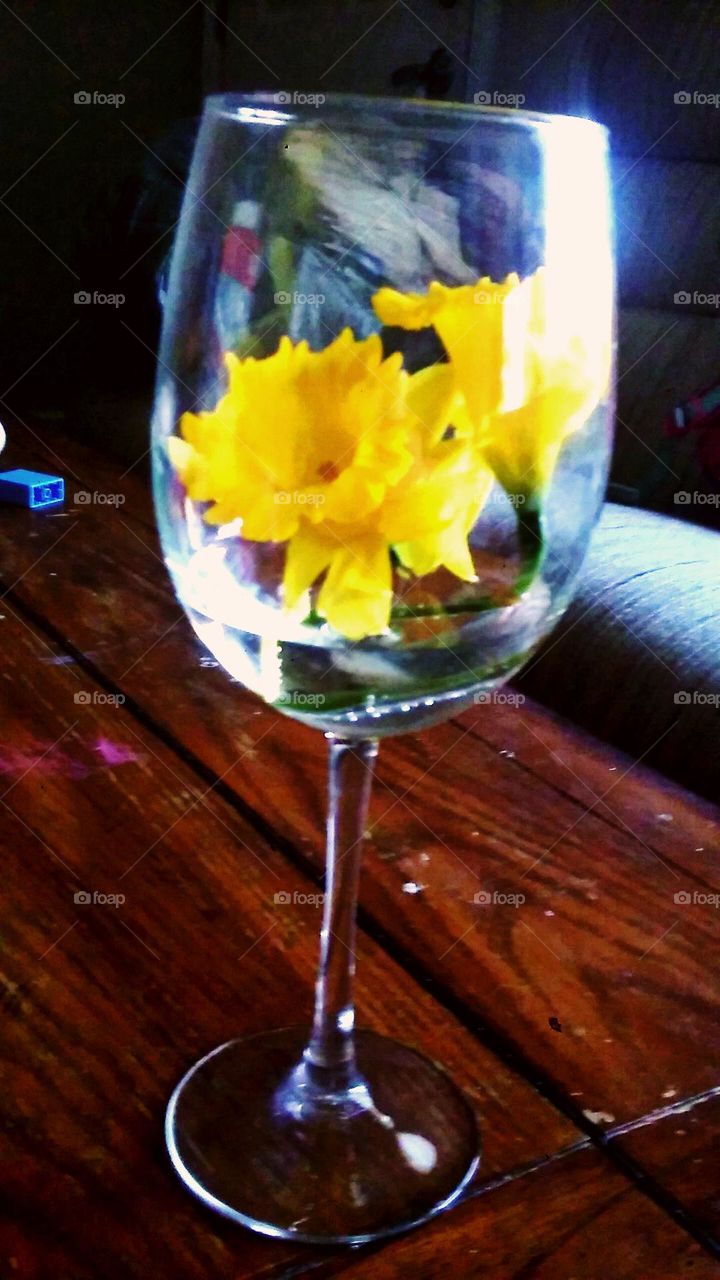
{"points": [[524, 384]]}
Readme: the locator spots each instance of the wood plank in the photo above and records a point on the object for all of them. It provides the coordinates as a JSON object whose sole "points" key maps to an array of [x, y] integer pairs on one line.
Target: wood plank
{"points": [[625, 975], [105, 1007], [585, 1221], [133, 631], [680, 1150], [619, 790]]}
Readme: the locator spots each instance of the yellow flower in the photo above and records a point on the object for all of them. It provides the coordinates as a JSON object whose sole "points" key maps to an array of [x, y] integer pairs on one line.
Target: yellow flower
{"points": [[469, 321], [524, 385], [522, 444], [341, 454]]}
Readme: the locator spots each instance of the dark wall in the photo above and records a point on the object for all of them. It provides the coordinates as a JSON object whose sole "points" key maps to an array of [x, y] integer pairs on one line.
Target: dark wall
{"points": [[96, 211], [83, 198]]}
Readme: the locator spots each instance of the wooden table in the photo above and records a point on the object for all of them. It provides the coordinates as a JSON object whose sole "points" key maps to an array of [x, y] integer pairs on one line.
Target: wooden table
{"points": [[583, 1023]]}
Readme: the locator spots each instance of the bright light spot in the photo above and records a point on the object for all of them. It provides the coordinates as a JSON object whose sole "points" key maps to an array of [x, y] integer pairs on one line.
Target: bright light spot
{"points": [[420, 1154]]}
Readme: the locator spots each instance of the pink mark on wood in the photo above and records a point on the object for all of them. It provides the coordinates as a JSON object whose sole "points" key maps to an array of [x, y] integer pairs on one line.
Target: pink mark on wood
{"points": [[113, 753], [43, 758], [48, 760]]}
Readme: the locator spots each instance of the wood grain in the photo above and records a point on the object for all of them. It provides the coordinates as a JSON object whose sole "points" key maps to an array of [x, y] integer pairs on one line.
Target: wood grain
{"points": [[587, 1222], [105, 1006], [680, 1150], [620, 973], [619, 790]]}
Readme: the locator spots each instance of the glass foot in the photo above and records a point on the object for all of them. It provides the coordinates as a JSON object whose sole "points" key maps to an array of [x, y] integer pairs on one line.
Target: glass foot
{"points": [[253, 1137]]}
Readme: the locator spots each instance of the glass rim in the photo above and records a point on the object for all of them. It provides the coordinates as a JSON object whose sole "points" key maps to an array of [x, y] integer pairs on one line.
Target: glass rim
{"points": [[343, 103]]}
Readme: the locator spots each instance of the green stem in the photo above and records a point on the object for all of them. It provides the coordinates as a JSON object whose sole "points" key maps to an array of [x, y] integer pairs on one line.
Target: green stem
{"points": [[531, 541]]}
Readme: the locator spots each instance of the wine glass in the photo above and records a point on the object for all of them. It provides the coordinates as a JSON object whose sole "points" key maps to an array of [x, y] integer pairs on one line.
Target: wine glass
{"points": [[380, 443]]}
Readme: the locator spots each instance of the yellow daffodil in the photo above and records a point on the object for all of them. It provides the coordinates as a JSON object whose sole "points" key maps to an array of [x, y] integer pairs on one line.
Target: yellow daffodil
{"points": [[524, 386], [469, 321], [342, 454]]}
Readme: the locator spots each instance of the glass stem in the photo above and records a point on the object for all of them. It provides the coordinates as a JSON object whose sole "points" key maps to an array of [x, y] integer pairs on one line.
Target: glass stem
{"points": [[330, 1055]]}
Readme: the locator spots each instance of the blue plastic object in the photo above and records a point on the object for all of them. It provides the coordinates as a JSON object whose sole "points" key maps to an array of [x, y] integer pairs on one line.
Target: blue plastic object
{"points": [[31, 489]]}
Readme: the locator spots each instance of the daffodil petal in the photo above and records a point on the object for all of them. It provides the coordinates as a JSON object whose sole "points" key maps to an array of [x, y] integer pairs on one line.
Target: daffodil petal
{"points": [[356, 596], [405, 310], [308, 554], [522, 447], [448, 546], [430, 396]]}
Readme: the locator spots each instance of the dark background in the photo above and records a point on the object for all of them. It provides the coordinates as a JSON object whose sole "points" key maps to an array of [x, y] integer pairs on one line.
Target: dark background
{"points": [[89, 192]]}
